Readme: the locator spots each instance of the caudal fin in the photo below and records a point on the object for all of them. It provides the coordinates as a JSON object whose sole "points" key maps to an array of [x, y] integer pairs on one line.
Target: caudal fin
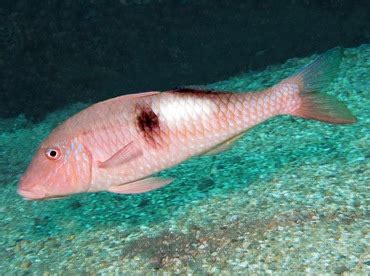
{"points": [[312, 80]]}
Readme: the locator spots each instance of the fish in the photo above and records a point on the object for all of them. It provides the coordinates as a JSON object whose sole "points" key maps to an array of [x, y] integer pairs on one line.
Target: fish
{"points": [[118, 145]]}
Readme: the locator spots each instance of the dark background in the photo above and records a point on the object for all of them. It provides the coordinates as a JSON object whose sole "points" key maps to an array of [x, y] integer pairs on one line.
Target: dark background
{"points": [[57, 52]]}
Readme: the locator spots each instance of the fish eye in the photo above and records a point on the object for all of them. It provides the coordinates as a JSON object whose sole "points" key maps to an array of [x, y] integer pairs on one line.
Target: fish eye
{"points": [[53, 153]]}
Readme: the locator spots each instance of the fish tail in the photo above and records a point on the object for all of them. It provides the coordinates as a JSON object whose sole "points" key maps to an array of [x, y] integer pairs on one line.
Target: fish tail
{"points": [[312, 80]]}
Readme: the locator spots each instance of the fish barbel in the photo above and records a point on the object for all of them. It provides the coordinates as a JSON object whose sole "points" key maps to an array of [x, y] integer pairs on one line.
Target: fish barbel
{"points": [[116, 145]]}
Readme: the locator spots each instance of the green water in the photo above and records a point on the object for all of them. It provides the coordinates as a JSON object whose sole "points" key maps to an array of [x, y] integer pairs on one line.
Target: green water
{"points": [[290, 196]]}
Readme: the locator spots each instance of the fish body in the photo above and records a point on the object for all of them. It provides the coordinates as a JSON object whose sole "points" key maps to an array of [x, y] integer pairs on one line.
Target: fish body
{"points": [[116, 145]]}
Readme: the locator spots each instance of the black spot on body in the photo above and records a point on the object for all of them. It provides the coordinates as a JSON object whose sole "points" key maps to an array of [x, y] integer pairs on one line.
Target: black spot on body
{"points": [[148, 124], [148, 121]]}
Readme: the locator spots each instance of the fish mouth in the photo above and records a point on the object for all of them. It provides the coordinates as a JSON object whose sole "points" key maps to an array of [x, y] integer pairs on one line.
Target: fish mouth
{"points": [[31, 195]]}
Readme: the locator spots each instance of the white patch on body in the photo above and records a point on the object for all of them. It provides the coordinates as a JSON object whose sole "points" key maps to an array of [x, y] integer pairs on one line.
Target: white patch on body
{"points": [[176, 110]]}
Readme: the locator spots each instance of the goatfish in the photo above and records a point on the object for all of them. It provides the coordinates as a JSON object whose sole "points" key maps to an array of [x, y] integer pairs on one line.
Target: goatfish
{"points": [[118, 144]]}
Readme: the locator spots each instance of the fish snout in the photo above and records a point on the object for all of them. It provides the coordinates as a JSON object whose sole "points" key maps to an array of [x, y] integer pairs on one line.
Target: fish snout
{"points": [[26, 182], [28, 190]]}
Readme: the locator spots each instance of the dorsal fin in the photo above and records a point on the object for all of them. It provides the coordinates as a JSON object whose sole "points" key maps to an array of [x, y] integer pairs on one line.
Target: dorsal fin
{"points": [[129, 97], [193, 89]]}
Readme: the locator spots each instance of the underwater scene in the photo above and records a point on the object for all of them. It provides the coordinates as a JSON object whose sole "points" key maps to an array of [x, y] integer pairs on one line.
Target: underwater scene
{"points": [[290, 196]]}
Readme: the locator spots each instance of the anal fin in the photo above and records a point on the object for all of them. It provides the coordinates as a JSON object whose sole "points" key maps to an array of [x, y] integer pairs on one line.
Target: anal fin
{"points": [[224, 146], [141, 186]]}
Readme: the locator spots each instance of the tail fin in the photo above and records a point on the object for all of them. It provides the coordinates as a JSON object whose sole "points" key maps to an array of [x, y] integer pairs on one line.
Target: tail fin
{"points": [[314, 78]]}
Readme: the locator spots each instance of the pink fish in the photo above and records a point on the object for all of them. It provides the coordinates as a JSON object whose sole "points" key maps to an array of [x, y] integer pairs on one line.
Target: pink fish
{"points": [[116, 145]]}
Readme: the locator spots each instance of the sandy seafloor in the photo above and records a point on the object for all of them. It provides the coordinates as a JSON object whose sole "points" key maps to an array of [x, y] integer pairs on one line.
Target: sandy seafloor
{"points": [[291, 196]]}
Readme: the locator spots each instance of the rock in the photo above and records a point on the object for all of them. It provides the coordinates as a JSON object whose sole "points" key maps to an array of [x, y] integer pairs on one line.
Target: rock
{"points": [[244, 264], [206, 184], [359, 249], [215, 270], [144, 202], [41, 221], [156, 262], [26, 265], [340, 269], [71, 238], [233, 219], [75, 204]]}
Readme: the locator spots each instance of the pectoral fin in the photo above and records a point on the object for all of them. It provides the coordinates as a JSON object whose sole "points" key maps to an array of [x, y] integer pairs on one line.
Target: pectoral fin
{"points": [[141, 186], [124, 155]]}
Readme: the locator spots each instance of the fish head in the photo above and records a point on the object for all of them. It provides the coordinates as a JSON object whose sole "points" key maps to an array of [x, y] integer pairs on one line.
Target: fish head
{"points": [[58, 169]]}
